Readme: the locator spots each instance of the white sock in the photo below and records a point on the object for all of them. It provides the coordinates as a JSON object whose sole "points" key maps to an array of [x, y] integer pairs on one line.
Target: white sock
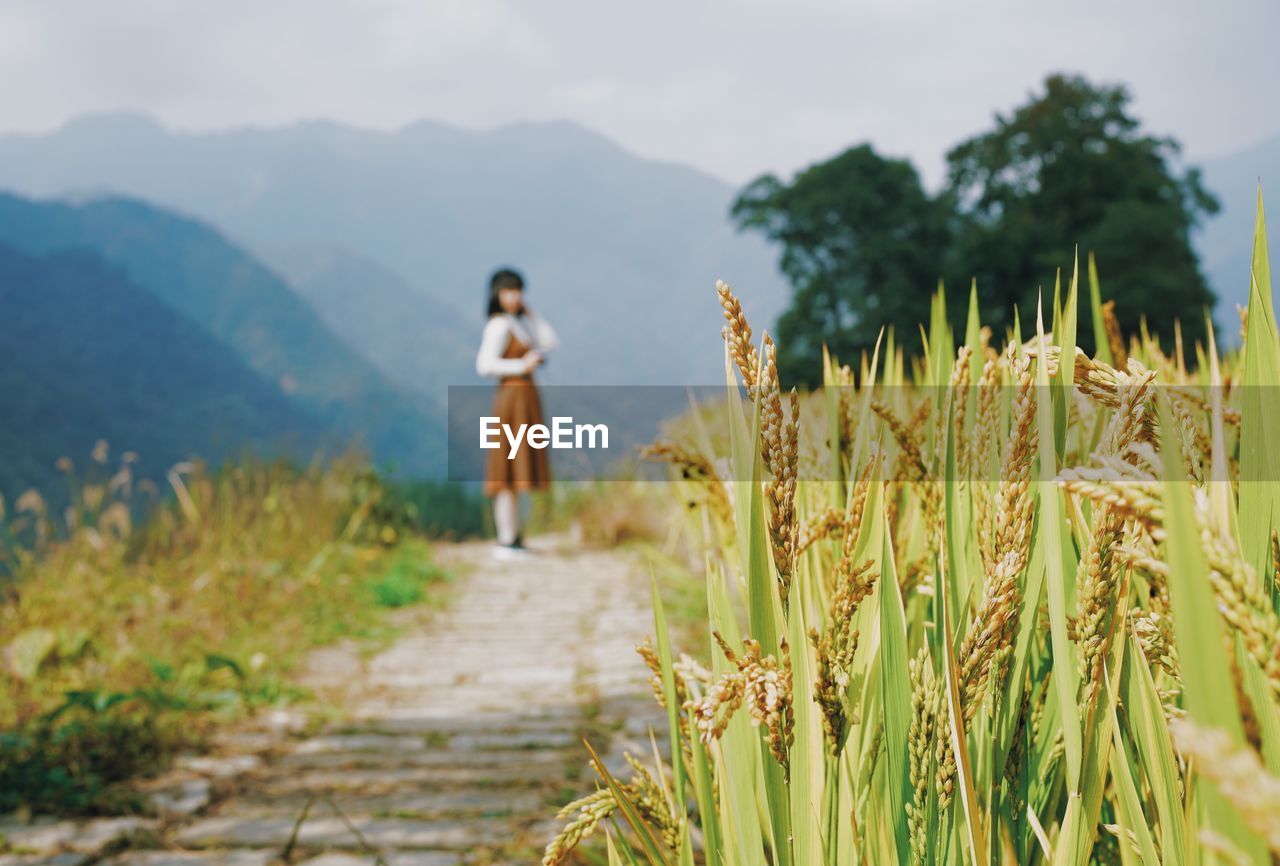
{"points": [[506, 516]]}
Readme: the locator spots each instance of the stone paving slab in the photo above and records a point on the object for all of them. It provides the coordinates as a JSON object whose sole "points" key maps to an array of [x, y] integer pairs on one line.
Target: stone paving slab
{"points": [[411, 715], [332, 832], [399, 858], [400, 778], [67, 859], [179, 797], [432, 758], [466, 802], [481, 682], [219, 766], [521, 740], [51, 837], [366, 742], [234, 857]]}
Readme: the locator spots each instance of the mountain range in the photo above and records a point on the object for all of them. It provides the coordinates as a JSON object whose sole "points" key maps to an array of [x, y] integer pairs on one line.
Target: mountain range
{"points": [[293, 289], [87, 354], [335, 278], [620, 253], [418, 341], [611, 243], [155, 293], [1225, 243]]}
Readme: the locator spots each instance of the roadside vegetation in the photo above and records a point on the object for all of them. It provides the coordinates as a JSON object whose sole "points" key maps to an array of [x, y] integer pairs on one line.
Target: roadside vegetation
{"points": [[124, 644]]}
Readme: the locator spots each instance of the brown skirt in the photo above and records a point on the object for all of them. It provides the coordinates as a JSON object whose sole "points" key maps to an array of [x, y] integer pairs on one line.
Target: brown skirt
{"points": [[516, 402]]}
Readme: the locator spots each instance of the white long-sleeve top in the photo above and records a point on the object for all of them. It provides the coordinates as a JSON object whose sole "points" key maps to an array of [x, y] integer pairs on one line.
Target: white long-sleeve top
{"points": [[529, 329]]}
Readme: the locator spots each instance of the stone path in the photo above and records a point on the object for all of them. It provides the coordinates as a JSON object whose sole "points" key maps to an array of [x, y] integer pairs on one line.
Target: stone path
{"points": [[455, 745]]}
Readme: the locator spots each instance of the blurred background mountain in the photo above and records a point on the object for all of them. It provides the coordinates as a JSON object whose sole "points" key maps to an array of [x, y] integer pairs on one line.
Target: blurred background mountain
{"points": [[341, 274], [225, 312], [89, 354], [286, 289], [1225, 243], [610, 243]]}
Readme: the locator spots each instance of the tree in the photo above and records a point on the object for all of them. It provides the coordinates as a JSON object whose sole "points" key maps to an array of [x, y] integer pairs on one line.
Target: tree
{"points": [[1073, 166], [862, 245]]}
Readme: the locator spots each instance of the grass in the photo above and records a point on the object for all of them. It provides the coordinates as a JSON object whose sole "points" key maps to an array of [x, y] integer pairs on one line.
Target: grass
{"points": [[1004, 603], [604, 514], [407, 578], [683, 594], [125, 644]]}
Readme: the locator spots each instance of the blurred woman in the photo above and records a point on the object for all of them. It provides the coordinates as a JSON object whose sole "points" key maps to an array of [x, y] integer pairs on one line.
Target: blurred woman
{"points": [[514, 344]]}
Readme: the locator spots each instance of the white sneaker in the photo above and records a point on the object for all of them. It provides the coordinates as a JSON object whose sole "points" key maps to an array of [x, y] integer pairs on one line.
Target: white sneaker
{"points": [[510, 553]]}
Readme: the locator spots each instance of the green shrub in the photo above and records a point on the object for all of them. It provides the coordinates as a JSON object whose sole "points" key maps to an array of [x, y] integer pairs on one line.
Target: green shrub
{"points": [[405, 581], [72, 760]]}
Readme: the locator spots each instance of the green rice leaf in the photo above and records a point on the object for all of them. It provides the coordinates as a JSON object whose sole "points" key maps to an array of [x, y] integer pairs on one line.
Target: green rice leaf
{"points": [[1051, 526], [807, 755], [737, 763], [1260, 412], [973, 325], [1101, 345], [704, 792], [1258, 690], [663, 640], [897, 698], [1064, 334], [649, 843], [1128, 803], [974, 833], [612, 850], [1155, 753], [1206, 674]]}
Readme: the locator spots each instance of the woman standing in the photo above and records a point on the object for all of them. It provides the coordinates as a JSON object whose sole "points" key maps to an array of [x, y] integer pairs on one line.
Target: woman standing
{"points": [[513, 345]]}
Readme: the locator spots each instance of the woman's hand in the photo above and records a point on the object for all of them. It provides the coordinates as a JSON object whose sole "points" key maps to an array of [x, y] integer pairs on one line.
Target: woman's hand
{"points": [[532, 360]]}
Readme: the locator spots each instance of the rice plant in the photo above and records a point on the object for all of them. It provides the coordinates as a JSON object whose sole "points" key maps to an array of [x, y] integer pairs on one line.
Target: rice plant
{"points": [[1006, 602]]}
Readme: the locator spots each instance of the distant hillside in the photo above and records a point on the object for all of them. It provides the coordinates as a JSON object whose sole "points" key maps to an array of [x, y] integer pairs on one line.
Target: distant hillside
{"points": [[1226, 243], [86, 354], [418, 342], [247, 308], [621, 253]]}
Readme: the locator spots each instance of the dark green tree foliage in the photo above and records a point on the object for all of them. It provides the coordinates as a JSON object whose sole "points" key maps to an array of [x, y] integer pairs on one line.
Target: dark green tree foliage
{"points": [[864, 245], [1073, 166], [860, 244]]}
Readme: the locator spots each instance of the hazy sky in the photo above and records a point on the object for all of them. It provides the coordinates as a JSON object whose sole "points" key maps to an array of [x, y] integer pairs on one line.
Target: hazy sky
{"points": [[735, 87]]}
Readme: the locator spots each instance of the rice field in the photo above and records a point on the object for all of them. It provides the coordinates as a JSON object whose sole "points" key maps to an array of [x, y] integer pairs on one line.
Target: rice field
{"points": [[1005, 602]]}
